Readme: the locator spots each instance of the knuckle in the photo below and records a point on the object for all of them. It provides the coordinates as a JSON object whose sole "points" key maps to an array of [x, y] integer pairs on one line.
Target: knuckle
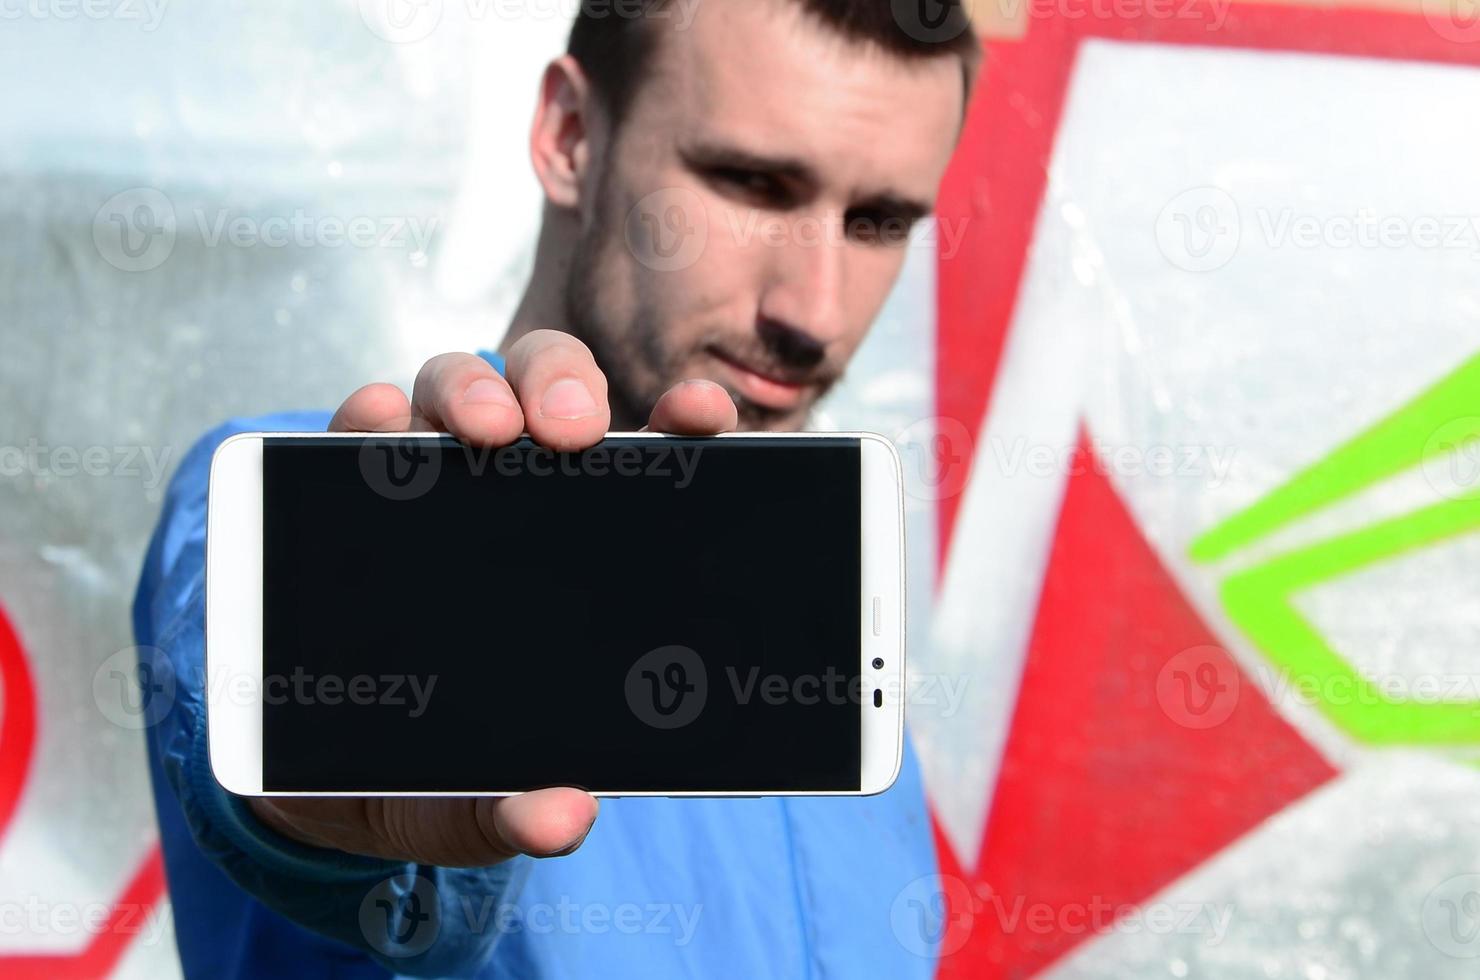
{"points": [[555, 347], [431, 368], [436, 372], [558, 339]]}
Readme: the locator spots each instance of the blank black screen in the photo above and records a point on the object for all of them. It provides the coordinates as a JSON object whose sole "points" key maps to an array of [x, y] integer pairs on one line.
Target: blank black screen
{"points": [[644, 616]]}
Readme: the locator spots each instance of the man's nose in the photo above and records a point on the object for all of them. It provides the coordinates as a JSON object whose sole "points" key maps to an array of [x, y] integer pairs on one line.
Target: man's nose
{"points": [[806, 288]]}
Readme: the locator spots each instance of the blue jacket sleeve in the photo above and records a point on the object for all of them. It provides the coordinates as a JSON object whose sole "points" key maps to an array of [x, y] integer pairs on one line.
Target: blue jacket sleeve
{"points": [[364, 902]]}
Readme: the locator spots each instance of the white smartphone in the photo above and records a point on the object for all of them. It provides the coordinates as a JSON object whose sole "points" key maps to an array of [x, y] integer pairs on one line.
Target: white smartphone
{"points": [[656, 616]]}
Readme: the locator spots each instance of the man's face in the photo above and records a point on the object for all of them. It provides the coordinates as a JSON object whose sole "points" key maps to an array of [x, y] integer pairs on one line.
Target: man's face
{"points": [[750, 214]]}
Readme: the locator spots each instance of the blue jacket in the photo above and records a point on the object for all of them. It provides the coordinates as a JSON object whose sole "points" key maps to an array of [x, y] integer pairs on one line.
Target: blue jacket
{"points": [[775, 887]]}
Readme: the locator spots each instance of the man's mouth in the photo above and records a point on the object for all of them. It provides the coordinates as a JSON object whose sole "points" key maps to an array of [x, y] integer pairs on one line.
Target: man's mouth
{"points": [[765, 389]]}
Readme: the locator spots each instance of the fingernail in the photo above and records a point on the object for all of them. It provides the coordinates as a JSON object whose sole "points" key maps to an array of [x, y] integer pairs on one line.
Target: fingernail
{"points": [[486, 391], [568, 399], [570, 848]]}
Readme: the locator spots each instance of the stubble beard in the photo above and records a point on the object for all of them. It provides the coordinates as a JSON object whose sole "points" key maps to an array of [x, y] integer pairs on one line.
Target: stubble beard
{"points": [[639, 368]]}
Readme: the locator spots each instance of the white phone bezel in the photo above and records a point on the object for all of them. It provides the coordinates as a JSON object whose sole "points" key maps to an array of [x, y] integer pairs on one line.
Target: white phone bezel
{"points": [[234, 685]]}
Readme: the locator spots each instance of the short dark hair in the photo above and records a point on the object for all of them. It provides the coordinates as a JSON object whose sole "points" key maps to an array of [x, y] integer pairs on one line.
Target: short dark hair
{"points": [[614, 40]]}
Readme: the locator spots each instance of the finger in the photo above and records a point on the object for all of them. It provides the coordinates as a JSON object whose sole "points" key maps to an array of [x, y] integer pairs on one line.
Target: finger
{"points": [[482, 831], [562, 391], [333, 822], [461, 833], [374, 408], [477, 832], [694, 408], [544, 823], [463, 394]]}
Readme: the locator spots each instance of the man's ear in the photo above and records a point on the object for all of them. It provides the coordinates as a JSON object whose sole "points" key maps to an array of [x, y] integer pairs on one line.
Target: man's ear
{"points": [[564, 126]]}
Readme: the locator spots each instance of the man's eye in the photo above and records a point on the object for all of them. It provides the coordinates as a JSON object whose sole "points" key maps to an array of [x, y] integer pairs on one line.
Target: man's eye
{"points": [[759, 187], [870, 226]]}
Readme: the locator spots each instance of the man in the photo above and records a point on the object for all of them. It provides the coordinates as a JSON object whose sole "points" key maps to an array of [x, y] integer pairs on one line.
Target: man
{"points": [[831, 122]]}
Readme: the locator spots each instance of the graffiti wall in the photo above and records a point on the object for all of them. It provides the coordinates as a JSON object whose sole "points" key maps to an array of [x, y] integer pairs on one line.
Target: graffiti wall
{"points": [[1209, 358]]}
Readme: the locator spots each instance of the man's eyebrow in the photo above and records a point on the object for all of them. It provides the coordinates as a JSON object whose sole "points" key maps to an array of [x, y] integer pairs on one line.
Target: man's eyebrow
{"points": [[717, 155]]}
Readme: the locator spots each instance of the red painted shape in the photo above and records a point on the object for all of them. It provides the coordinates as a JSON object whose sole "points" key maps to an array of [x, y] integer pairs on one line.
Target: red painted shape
{"points": [[1105, 794], [997, 179], [994, 185], [17, 722], [126, 916]]}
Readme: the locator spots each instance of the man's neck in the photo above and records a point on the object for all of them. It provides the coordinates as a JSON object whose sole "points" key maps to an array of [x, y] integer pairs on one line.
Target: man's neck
{"points": [[542, 305]]}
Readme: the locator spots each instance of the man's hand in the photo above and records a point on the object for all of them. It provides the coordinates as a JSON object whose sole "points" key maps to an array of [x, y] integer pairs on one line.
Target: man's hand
{"points": [[556, 393]]}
